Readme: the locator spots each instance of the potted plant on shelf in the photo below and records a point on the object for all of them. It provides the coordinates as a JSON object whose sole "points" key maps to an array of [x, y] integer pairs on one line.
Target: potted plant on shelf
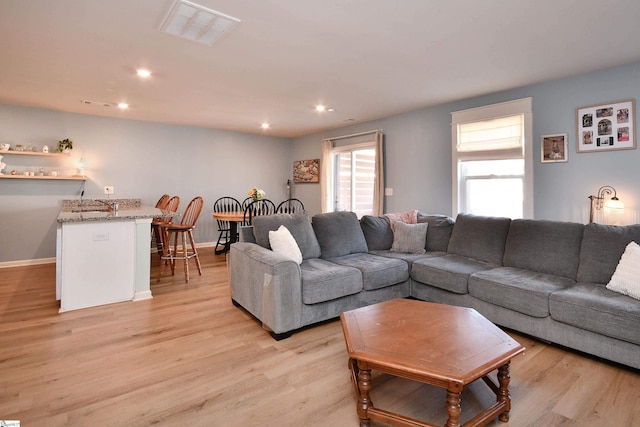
{"points": [[65, 145]]}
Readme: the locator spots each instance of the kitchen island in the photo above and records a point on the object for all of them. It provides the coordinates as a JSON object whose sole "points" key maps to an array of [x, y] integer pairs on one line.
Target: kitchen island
{"points": [[102, 254]]}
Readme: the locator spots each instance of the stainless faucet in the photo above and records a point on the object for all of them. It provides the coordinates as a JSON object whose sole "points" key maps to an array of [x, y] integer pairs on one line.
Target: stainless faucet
{"points": [[113, 206]]}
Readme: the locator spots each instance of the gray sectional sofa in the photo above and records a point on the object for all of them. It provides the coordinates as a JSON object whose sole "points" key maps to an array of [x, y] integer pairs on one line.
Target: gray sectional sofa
{"points": [[543, 278]]}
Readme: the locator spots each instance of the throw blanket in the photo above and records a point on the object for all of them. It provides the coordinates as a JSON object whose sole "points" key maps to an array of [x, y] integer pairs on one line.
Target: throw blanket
{"points": [[409, 217]]}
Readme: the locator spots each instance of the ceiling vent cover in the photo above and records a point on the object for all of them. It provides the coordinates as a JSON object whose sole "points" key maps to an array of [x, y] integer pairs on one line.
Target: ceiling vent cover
{"points": [[198, 23]]}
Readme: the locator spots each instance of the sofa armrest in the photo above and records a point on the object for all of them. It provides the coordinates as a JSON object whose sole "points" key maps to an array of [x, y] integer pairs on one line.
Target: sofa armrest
{"points": [[266, 284]]}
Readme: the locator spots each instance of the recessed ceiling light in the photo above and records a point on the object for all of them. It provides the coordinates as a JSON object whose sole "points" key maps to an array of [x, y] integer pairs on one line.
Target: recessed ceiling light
{"points": [[265, 125], [143, 73], [123, 105], [320, 108]]}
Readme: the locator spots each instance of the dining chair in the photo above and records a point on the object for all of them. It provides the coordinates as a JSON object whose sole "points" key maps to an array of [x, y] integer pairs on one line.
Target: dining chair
{"points": [[225, 204], [183, 232], [246, 202], [290, 206], [258, 207], [169, 204]]}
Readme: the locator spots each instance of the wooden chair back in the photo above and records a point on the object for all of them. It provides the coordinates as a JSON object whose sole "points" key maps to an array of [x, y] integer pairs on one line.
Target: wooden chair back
{"points": [[226, 204], [163, 201], [192, 212], [290, 206], [172, 206], [258, 207]]}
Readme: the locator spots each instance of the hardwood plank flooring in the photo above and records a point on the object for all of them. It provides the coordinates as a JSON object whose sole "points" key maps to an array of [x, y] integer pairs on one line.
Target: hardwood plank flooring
{"points": [[188, 357]]}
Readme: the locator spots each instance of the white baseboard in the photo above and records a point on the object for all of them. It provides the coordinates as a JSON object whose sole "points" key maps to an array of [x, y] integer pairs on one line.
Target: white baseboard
{"points": [[38, 261], [140, 296], [27, 262]]}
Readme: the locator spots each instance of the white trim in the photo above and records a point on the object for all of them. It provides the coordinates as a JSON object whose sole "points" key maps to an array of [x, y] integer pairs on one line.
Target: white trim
{"points": [[27, 262], [502, 109], [141, 296], [39, 261], [522, 106]]}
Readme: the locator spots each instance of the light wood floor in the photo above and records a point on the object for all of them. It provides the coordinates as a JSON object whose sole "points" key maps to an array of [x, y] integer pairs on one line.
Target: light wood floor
{"points": [[189, 358]]}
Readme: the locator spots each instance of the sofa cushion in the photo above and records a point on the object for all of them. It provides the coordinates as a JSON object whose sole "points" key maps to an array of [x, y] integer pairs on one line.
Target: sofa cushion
{"points": [[297, 224], [409, 238], [324, 281], [439, 231], [338, 234], [626, 278], [479, 237], [550, 247], [449, 272], [377, 232], [602, 247], [377, 272], [519, 290], [593, 307], [408, 258]]}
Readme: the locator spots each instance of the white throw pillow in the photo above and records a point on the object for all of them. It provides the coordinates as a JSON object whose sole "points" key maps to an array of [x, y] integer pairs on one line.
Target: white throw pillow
{"points": [[626, 278], [410, 238], [282, 242]]}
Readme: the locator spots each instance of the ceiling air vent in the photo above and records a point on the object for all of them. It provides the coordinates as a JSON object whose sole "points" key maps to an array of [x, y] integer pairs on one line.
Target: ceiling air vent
{"points": [[197, 23]]}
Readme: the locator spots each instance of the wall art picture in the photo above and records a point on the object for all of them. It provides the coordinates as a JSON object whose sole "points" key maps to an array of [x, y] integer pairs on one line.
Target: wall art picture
{"points": [[554, 148], [306, 171], [606, 127]]}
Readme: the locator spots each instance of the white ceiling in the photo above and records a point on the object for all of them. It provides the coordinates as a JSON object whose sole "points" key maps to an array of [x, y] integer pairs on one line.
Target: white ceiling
{"points": [[367, 59]]}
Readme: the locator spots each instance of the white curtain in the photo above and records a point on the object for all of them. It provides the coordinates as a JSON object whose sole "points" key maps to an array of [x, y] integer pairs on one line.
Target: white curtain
{"points": [[326, 176], [378, 191]]}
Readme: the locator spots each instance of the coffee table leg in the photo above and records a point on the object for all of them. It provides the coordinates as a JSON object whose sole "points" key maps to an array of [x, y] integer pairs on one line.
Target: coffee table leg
{"points": [[503, 392], [364, 385], [453, 404]]}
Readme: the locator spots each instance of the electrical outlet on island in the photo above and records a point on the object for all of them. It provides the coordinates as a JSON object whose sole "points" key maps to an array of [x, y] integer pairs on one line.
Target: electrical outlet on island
{"points": [[108, 189]]}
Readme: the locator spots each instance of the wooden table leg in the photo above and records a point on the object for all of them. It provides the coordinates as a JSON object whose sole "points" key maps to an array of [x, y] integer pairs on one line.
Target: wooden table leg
{"points": [[453, 404], [364, 385], [503, 392]]}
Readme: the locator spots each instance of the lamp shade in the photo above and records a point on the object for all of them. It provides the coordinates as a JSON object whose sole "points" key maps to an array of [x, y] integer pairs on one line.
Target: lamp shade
{"points": [[613, 203]]}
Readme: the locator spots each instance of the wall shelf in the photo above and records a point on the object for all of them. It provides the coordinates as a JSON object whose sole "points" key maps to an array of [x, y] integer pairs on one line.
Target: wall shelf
{"points": [[7, 175], [68, 178], [32, 153]]}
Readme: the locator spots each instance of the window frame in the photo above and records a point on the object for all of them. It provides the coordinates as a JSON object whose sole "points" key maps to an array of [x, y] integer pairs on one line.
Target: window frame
{"points": [[351, 148], [522, 107]]}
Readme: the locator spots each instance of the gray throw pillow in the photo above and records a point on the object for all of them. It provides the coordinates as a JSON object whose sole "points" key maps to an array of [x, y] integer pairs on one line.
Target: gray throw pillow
{"points": [[439, 232], [297, 224], [377, 232], [339, 234], [410, 238]]}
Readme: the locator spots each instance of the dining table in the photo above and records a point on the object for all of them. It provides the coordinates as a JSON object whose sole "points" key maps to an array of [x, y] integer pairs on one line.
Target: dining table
{"points": [[233, 217]]}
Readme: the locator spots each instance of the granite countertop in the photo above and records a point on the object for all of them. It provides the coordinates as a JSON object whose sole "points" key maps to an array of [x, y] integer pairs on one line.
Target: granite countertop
{"points": [[90, 210]]}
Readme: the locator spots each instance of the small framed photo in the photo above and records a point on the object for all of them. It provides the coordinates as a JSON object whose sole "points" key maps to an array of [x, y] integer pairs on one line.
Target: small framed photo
{"points": [[606, 127], [306, 171], [554, 148]]}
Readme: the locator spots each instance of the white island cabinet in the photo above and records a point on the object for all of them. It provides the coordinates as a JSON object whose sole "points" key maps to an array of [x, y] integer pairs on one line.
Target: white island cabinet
{"points": [[103, 257]]}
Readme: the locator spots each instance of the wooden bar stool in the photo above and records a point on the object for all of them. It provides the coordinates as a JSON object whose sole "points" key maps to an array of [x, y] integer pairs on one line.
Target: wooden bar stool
{"points": [[170, 204], [184, 231]]}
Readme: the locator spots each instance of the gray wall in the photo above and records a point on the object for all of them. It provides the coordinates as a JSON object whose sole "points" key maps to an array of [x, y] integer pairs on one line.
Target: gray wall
{"points": [[140, 159], [418, 150], [144, 160]]}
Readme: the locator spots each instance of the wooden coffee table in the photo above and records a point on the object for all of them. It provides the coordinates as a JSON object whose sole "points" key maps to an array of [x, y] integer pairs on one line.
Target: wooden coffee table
{"points": [[437, 344]]}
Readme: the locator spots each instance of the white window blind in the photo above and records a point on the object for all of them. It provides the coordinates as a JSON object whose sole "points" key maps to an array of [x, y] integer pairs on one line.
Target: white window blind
{"points": [[496, 138]]}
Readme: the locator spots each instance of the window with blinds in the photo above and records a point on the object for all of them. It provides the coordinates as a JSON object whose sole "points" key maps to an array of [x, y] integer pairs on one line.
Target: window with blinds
{"points": [[492, 171], [355, 180]]}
